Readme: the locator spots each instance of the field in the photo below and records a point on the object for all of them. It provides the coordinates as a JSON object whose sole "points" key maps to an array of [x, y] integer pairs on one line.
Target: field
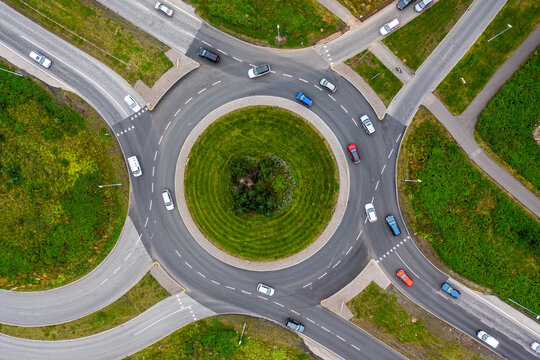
{"points": [[301, 22], [404, 326], [56, 223], [484, 58], [474, 227], [507, 123], [414, 42], [129, 51], [361, 8], [257, 132], [378, 76], [137, 300]]}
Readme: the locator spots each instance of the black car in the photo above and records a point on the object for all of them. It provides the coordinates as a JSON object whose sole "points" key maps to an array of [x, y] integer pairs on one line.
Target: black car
{"points": [[208, 54], [402, 4]]}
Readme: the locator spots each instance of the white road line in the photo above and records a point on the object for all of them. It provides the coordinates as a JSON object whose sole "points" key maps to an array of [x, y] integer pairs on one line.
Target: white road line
{"points": [[215, 282], [146, 222], [372, 199], [200, 92], [153, 170], [127, 257], [155, 155], [252, 65], [348, 251], [221, 51], [365, 221], [287, 75], [152, 188], [305, 286], [191, 267], [311, 321], [115, 271], [177, 253], [322, 327], [336, 264], [407, 265], [150, 205], [355, 347], [188, 100], [344, 109], [399, 137], [384, 167], [303, 80], [391, 151], [294, 312], [340, 338], [161, 138], [278, 304], [360, 233], [262, 297], [237, 59], [377, 185], [155, 322], [272, 71], [166, 127], [204, 276], [204, 42], [323, 275], [317, 87], [217, 82], [104, 281], [188, 14], [245, 292], [331, 97], [229, 287], [354, 121]]}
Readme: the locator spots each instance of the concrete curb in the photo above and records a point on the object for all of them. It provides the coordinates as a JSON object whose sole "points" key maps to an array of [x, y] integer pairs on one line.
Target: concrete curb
{"points": [[338, 153], [165, 280]]}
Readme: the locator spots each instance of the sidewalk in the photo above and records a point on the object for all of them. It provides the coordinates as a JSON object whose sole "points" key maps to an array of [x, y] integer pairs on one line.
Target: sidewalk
{"points": [[340, 11]]}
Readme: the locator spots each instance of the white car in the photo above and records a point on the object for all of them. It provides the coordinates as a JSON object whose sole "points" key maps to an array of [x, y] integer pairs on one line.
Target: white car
{"points": [[265, 289], [371, 214], [488, 339], [167, 199], [40, 59], [388, 28], [161, 7], [422, 5], [535, 346], [130, 101], [327, 84], [367, 124], [259, 71]]}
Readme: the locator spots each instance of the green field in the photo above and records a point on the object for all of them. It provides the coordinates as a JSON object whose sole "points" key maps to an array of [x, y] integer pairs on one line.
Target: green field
{"points": [[56, 223], [378, 76], [257, 132], [507, 123], [398, 322], [137, 300], [217, 338], [484, 58], [415, 41], [474, 227], [301, 22], [361, 8], [122, 46]]}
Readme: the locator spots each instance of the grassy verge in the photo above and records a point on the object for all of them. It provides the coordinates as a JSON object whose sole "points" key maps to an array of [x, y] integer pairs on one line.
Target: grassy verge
{"points": [[414, 42], [398, 322], [258, 132], [378, 76], [126, 49], [362, 8], [56, 223], [217, 338], [507, 123], [472, 225], [137, 300], [484, 58], [301, 22]]}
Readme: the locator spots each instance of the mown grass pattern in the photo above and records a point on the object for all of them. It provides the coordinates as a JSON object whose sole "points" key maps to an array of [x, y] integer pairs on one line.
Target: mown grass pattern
{"points": [[484, 58], [301, 22], [56, 223], [414, 42], [508, 122], [474, 227], [258, 132]]}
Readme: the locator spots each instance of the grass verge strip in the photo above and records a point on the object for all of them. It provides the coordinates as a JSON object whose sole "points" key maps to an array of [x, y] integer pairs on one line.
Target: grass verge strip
{"points": [[362, 8], [137, 300]]}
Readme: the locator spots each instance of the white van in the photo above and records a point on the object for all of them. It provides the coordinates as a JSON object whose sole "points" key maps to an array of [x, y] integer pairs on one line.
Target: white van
{"points": [[134, 166], [167, 199], [488, 339]]}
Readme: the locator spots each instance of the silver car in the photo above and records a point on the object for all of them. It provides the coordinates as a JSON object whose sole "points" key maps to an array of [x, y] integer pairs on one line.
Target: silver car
{"points": [[259, 71], [327, 84], [167, 199], [130, 101], [371, 214], [265, 289], [40, 59], [161, 7], [367, 124]]}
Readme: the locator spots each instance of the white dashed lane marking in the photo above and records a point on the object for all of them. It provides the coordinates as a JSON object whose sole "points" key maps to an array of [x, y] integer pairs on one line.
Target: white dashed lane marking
{"points": [[344, 109], [336, 264], [278, 304], [188, 265], [201, 91], [399, 137], [188, 100], [287, 75], [331, 97], [215, 282], [303, 80], [323, 275], [217, 82], [221, 51], [305, 286], [229, 287], [177, 253], [391, 151], [237, 59], [204, 276], [317, 87]]}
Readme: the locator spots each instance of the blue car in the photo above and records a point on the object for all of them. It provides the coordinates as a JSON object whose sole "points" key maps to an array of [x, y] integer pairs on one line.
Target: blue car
{"points": [[449, 289], [393, 225], [304, 99]]}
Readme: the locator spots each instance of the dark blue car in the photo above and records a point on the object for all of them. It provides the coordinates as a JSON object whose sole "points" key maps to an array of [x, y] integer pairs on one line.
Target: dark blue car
{"points": [[393, 225], [304, 99]]}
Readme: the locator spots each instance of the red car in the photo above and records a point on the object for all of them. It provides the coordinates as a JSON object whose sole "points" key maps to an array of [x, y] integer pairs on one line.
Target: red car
{"points": [[355, 156], [403, 276]]}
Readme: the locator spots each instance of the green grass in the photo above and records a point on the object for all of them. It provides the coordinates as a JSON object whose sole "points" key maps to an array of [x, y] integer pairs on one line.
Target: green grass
{"points": [[56, 224], [122, 46], [137, 300], [257, 132], [484, 58], [414, 42], [474, 227], [301, 22], [217, 338], [385, 84], [362, 8], [401, 324], [507, 123]]}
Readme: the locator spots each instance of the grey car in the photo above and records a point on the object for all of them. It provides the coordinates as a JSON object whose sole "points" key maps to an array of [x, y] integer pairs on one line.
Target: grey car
{"points": [[402, 4], [294, 325]]}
